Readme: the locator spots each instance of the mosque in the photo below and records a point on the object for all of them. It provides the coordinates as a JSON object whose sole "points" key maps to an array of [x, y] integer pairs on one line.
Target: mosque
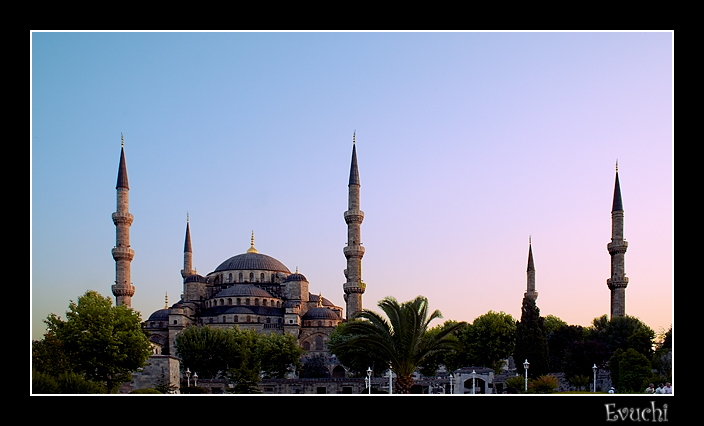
{"points": [[251, 290], [255, 291]]}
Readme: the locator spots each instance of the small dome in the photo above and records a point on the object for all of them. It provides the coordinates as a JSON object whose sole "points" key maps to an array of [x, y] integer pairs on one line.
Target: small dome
{"points": [[160, 315], [247, 290], [195, 278], [321, 314], [296, 277]]}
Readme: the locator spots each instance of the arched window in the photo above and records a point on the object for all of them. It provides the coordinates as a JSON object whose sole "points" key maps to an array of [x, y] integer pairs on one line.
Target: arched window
{"points": [[319, 343], [235, 318], [251, 277], [273, 278], [229, 277], [240, 280], [239, 301], [256, 302], [229, 301], [246, 302], [261, 277]]}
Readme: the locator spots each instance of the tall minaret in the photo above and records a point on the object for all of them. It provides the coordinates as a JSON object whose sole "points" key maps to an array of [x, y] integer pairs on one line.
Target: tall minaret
{"points": [[617, 249], [123, 290], [530, 290], [354, 287], [187, 270]]}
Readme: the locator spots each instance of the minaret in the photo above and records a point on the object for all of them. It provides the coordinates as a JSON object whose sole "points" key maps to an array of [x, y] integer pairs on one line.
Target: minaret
{"points": [[617, 249], [123, 290], [187, 270], [354, 287], [530, 290]]}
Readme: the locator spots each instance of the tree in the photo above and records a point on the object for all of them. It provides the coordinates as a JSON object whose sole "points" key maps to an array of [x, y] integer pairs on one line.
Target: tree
{"points": [[623, 332], [489, 339], [239, 355], [531, 340], [402, 340], [279, 353], [630, 370], [100, 342], [315, 367]]}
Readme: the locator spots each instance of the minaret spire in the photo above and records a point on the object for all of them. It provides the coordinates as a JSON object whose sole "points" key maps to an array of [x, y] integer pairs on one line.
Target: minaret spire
{"points": [[353, 287], [617, 249], [123, 290], [187, 270], [530, 271]]}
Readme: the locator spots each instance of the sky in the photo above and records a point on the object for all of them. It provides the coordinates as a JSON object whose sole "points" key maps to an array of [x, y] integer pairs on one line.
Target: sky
{"points": [[469, 144]]}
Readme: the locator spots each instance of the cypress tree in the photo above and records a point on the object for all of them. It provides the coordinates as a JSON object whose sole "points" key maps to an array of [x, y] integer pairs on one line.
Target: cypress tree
{"points": [[531, 340]]}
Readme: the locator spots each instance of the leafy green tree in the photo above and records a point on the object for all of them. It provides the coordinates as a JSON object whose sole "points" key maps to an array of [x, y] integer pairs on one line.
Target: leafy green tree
{"points": [[205, 350], [531, 339], [402, 340], [99, 342], [623, 332], [315, 367], [279, 354], [356, 358], [489, 339], [632, 370]]}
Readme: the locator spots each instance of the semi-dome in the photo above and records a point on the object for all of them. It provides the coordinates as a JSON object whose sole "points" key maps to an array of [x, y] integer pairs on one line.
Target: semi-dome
{"points": [[252, 261]]}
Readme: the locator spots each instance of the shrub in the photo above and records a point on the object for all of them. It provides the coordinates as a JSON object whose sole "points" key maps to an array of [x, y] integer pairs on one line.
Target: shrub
{"points": [[543, 384], [146, 391]]}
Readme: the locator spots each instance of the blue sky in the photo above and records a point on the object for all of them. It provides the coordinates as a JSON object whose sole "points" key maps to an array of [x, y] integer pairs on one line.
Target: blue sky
{"points": [[467, 144]]}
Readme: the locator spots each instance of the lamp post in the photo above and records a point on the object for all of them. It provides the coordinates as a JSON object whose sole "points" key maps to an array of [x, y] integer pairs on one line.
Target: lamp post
{"points": [[391, 373], [474, 376], [195, 379], [526, 365], [369, 379], [594, 368], [452, 380], [188, 376]]}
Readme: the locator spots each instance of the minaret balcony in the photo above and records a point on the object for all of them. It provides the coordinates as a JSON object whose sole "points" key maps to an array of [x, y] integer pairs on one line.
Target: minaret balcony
{"points": [[353, 251], [122, 253], [613, 283], [123, 291], [617, 247], [119, 218], [354, 216]]}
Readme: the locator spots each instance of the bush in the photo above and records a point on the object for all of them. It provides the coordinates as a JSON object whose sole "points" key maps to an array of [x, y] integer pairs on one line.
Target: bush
{"points": [[543, 384], [146, 391]]}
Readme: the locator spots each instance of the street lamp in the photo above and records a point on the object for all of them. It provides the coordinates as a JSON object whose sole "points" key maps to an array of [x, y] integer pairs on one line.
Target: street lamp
{"points": [[369, 379], [474, 376], [391, 373], [452, 379], [526, 365], [195, 379], [188, 376], [594, 368]]}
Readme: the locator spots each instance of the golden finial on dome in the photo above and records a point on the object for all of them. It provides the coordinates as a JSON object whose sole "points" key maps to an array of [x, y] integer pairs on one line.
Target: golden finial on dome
{"points": [[320, 300], [166, 301], [251, 248]]}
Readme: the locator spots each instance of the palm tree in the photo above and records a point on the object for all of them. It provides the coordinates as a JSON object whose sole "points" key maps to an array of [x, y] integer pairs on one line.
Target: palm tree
{"points": [[403, 340]]}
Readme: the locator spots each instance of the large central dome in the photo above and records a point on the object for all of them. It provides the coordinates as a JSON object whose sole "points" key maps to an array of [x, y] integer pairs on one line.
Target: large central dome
{"points": [[252, 261]]}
